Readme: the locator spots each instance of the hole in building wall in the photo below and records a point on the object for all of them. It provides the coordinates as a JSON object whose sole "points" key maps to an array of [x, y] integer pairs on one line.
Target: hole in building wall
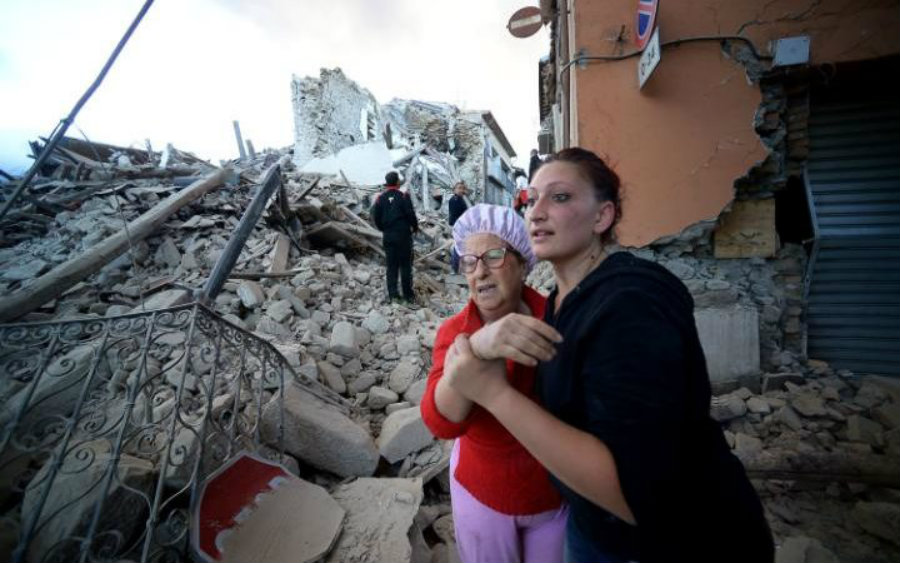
{"points": [[792, 220]]}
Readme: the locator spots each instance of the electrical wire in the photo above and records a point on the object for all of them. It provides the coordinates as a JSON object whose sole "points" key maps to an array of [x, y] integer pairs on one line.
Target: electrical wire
{"points": [[670, 43]]}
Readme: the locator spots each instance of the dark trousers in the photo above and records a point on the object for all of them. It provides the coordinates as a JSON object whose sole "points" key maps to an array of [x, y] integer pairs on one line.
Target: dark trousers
{"points": [[398, 256], [454, 260]]}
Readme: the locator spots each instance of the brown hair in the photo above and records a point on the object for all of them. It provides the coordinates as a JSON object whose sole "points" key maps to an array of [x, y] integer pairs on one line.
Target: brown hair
{"points": [[595, 170]]}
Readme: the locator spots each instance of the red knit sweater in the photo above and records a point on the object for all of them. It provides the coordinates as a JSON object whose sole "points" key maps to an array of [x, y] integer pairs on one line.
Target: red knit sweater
{"points": [[493, 466]]}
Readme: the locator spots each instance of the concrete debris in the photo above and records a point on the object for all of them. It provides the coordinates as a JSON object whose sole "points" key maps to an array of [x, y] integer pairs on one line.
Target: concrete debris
{"points": [[881, 519], [803, 550], [822, 445], [403, 433], [379, 514], [339, 127], [320, 436]]}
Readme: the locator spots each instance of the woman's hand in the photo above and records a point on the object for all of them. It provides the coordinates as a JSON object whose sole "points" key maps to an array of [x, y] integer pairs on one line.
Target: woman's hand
{"points": [[480, 381], [520, 338]]}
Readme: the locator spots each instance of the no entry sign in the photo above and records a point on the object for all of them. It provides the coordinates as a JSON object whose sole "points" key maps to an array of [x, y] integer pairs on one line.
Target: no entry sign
{"points": [[525, 22]]}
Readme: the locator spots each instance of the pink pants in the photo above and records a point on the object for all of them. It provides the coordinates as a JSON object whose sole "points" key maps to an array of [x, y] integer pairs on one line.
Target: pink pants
{"points": [[484, 535]]}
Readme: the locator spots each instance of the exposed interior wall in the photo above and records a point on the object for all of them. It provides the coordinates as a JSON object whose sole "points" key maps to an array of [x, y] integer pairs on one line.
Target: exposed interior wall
{"points": [[681, 143]]}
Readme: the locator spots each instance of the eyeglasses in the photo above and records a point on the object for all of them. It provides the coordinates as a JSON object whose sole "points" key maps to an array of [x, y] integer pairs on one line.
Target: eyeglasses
{"points": [[492, 258]]}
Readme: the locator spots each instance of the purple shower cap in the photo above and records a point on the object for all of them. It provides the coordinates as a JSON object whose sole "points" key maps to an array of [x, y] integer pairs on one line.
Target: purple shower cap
{"points": [[503, 222]]}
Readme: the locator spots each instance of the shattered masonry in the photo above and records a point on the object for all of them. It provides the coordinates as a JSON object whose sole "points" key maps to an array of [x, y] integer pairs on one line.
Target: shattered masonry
{"points": [[309, 282], [434, 144]]}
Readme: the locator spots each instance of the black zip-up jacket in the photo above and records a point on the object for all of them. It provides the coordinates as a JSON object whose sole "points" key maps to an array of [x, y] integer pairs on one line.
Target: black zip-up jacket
{"points": [[394, 215], [456, 207], [631, 371]]}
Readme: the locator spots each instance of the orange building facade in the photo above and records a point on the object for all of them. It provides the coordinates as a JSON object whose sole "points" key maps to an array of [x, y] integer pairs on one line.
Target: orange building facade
{"points": [[768, 134]]}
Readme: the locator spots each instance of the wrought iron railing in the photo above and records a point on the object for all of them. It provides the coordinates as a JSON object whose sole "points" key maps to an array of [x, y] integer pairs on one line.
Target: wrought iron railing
{"points": [[109, 427]]}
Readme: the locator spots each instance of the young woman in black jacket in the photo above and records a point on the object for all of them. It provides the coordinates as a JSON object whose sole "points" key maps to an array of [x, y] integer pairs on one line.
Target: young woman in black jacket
{"points": [[623, 425]]}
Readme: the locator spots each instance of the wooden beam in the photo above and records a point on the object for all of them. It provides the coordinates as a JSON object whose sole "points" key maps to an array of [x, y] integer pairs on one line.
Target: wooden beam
{"points": [[355, 217], [433, 253], [260, 275], [280, 253], [308, 189], [59, 279], [835, 466], [333, 230]]}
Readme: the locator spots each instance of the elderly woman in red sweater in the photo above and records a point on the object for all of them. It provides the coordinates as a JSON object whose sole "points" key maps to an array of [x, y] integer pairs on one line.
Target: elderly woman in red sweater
{"points": [[505, 509]]}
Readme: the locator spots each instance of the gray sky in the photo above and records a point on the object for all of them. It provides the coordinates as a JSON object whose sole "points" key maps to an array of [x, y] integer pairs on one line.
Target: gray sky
{"points": [[193, 66]]}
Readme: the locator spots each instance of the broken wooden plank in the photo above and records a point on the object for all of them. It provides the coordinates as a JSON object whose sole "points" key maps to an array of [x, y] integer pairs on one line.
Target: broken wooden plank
{"points": [[355, 217], [364, 231], [431, 262], [67, 274], [280, 253], [442, 248], [835, 466], [430, 282], [312, 211], [308, 189], [333, 231], [261, 275]]}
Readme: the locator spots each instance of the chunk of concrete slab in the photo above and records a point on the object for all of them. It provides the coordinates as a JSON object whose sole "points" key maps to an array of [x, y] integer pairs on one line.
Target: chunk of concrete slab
{"points": [[380, 513], [320, 435], [343, 340], [164, 300], [730, 340], [402, 433]]}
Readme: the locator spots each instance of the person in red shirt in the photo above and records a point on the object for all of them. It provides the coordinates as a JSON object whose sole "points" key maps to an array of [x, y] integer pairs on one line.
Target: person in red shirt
{"points": [[504, 507], [521, 202]]}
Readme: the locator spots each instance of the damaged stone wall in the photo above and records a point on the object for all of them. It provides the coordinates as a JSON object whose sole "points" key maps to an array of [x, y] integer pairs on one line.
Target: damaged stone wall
{"points": [[821, 444], [757, 270], [332, 113], [446, 129], [328, 114], [766, 276]]}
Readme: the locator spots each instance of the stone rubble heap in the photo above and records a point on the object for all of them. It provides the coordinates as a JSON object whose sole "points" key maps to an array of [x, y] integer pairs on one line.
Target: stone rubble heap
{"points": [[828, 443], [339, 126], [322, 305]]}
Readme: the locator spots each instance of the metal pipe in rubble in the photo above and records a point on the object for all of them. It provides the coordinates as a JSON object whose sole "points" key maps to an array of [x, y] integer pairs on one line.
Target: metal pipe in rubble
{"points": [[63, 126], [236, 243]]}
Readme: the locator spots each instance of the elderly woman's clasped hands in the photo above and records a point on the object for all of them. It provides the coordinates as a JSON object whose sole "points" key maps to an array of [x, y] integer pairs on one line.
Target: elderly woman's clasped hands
{"points": [[476, 365]]}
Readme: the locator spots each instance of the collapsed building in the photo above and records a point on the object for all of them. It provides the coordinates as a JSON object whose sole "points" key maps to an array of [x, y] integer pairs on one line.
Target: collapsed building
{"points": [[163, 315], [433, 144]]}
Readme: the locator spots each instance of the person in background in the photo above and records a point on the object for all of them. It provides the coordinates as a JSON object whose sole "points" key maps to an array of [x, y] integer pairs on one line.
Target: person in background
{"points": [[533, 164], [623, 422], [395, 217], [504, 508], [521, 201], [456, 207]]}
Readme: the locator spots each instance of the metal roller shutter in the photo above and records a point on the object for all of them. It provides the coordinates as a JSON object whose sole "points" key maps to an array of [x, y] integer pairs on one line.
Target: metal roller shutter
{"points": [[853, 183]]}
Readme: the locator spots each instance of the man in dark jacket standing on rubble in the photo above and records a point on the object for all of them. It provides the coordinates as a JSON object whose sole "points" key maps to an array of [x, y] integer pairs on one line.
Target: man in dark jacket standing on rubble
{"points": [[456, 206], [395, 217]]}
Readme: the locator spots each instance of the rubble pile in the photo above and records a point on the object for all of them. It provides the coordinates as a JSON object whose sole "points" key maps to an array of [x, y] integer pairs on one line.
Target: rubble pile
{"points": [[821, 445], [450, 142], [339, 127], [310, 279], [76, 171], [825, 445]]}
